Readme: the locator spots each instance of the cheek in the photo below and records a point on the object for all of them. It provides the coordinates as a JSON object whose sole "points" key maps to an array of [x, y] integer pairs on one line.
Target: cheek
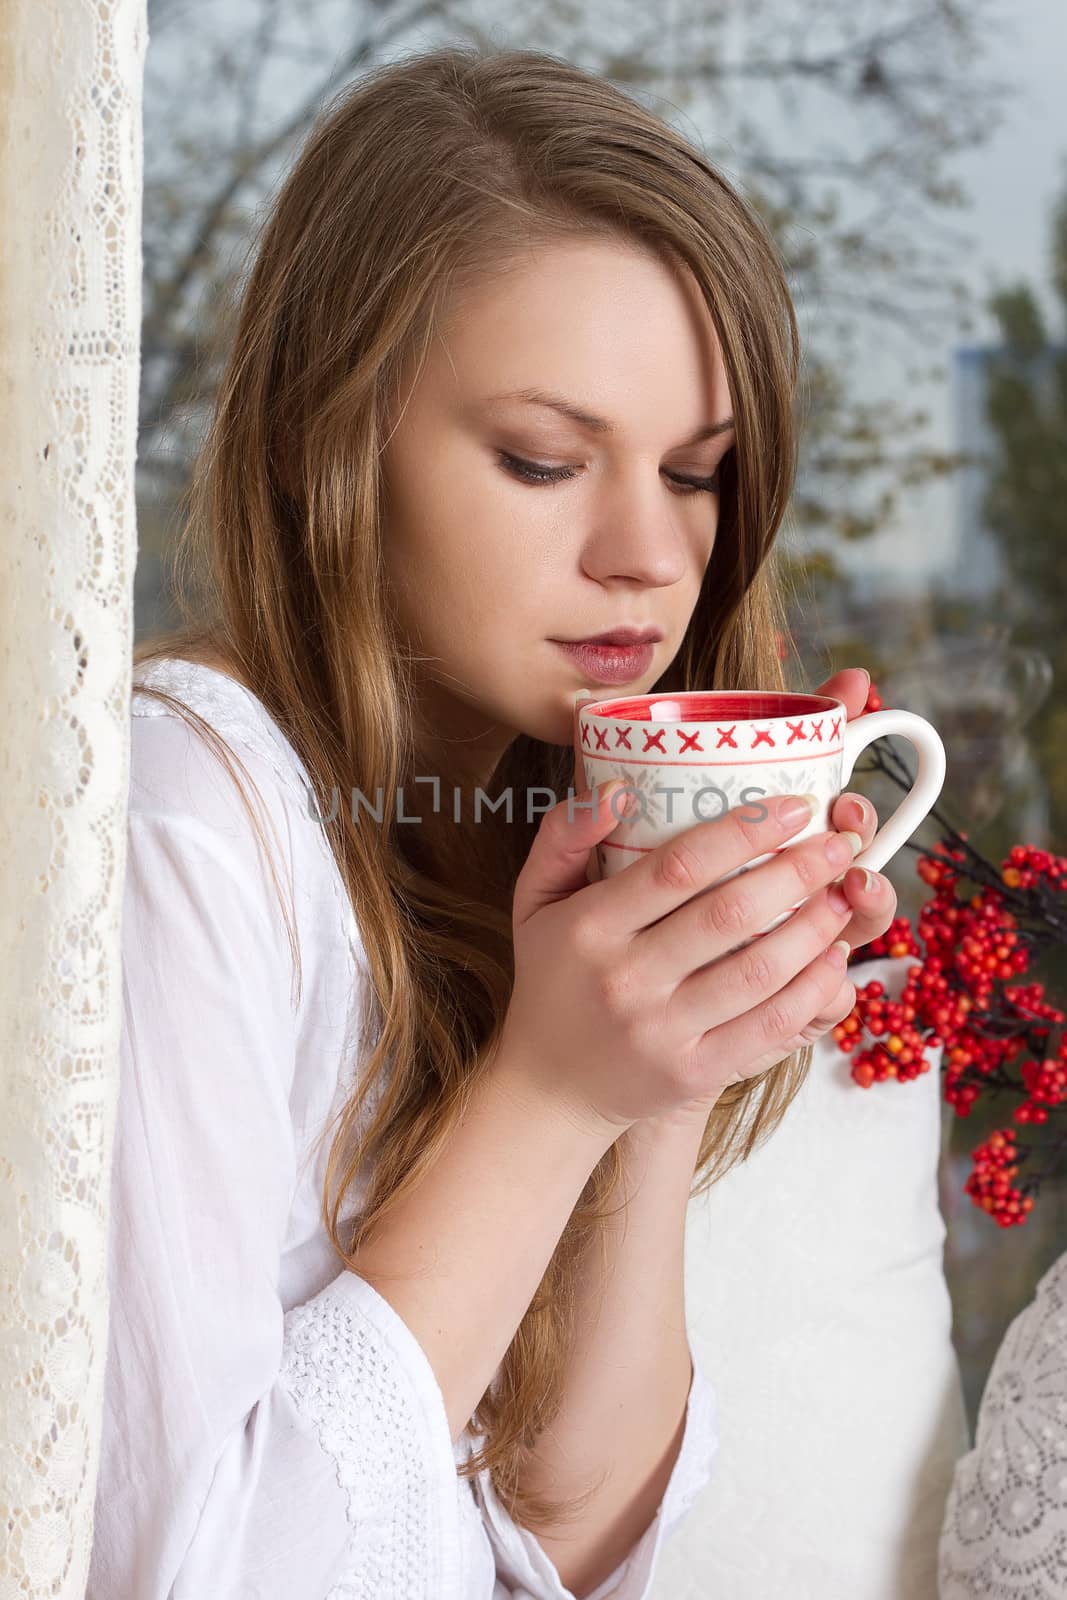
{"points": [[711, 528], [472, 556], [502, 547], [707, 549], [463, 581]]}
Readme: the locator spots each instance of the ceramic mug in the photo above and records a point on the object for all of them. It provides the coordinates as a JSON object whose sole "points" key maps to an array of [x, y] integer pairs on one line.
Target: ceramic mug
{"points": [[693, 755]]}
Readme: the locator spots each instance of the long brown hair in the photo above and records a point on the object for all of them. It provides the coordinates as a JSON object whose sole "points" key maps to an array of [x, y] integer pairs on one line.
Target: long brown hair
{"points": [[426, 174]]}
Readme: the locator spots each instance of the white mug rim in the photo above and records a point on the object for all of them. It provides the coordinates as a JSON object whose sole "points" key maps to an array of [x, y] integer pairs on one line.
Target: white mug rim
{"points": [[801, 704]]}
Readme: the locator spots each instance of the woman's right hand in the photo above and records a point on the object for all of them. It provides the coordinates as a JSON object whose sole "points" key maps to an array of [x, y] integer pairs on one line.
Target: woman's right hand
{"points": [[627, 1001]]}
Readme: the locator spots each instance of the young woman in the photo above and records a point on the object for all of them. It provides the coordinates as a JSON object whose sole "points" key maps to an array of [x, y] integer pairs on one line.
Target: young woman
{"points": [[514, 366]]}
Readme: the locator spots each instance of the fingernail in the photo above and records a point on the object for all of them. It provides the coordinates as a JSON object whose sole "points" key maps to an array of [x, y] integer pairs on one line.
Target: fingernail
{"points": [[619, 798], [859, 808], [797, 808], [838, 953], [841, 847], [870, 881]]}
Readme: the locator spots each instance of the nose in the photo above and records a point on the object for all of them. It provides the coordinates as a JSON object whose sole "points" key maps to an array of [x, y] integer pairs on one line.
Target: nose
{"points": [[638, 538]]}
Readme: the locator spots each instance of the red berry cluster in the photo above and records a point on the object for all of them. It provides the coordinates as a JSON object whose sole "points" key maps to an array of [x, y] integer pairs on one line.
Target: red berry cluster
{"points": [[900, 1055], [957, 995], [1025, 865], [995, 1164]]}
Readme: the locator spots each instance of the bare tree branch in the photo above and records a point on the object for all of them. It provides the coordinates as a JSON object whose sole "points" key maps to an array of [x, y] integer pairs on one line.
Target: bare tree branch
{"points": [[858, 210]]}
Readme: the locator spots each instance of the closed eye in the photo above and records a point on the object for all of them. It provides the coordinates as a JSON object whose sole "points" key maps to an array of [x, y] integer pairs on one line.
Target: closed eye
{"points": [[534, 472]]}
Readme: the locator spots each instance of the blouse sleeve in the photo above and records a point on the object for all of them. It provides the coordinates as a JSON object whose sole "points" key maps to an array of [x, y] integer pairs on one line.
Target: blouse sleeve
{"points": [[246, 1453], [526, 1572]]}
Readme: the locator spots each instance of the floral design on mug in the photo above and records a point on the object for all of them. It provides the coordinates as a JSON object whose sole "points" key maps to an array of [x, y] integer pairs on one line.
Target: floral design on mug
{"points": [[706, 792]]}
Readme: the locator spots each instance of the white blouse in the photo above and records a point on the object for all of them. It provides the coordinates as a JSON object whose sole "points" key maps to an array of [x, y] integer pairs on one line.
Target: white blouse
{"points": [[272, 1429]]}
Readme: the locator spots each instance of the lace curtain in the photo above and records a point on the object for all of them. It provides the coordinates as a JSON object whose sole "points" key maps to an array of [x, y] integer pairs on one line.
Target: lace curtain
{"points": [[1005, 1529], [71, 75]]}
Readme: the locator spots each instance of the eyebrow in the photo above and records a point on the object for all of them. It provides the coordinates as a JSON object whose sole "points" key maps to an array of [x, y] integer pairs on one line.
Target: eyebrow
{"points": [[595, 424]]}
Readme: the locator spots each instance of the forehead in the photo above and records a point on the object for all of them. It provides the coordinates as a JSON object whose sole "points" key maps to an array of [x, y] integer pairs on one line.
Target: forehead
{"points": [[611, 328]]}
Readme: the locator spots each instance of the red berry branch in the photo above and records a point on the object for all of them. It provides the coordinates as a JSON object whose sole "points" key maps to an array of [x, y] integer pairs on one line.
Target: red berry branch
{"points": [[977, 933]]}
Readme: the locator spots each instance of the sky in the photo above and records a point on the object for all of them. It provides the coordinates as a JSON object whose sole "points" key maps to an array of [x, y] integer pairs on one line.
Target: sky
{"points": [[1013, 181]]}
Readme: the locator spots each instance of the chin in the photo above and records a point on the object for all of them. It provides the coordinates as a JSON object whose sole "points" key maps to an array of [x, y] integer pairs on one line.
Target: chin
{"points": [[551, 722]]}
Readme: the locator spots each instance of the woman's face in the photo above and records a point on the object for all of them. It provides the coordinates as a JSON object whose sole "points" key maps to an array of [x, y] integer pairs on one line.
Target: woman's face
{"points": [[487, 569]]}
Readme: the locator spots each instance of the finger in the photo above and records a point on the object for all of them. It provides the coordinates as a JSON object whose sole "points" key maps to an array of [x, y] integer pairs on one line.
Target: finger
{"points": [[873, 907], [763, 1034], [854, 812], [843, 1004], [665, 877], [851, 686], [724, 990], [712, 924], [555, 867]]}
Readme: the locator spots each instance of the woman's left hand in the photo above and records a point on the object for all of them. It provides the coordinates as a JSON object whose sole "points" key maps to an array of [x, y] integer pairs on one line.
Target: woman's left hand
{"points": [[873, 906]]}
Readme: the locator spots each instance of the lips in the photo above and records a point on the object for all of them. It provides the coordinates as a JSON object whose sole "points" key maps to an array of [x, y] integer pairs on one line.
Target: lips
{"points": [[609, 663], [622, 637]]}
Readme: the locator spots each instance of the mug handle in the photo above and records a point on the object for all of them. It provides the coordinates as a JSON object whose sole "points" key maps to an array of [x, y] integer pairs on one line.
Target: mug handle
{"points": [[921, 797]]}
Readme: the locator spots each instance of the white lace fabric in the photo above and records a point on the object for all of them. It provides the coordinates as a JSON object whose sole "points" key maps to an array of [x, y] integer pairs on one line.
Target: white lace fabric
{"points": [[353, 1366], [70, 315], [1005, 1530], [272, 1427]]}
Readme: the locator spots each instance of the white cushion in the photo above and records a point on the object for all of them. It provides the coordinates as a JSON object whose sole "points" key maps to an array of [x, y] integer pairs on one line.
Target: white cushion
{"points": [[817, 1302]]}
